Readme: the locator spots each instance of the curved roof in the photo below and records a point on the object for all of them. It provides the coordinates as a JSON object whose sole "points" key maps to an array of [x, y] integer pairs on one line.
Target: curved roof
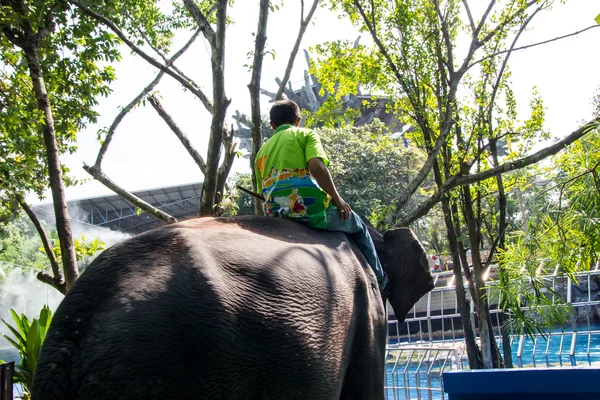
{"points": [[112, 212]]}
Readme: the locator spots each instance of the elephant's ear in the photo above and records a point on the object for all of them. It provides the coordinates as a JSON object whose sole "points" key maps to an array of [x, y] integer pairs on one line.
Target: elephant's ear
{"points": [[407, 267]]}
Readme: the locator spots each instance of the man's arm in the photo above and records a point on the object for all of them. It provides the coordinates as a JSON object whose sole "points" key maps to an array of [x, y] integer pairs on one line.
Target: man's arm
{"points": [[321, 174]]}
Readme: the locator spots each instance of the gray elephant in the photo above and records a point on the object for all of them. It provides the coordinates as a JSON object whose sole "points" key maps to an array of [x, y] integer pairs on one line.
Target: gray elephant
{"points": [[230, 308]]}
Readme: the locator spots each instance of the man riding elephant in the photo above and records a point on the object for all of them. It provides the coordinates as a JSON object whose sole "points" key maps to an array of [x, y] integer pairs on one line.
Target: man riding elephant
{"points": [[291, 171], [239, 308]]}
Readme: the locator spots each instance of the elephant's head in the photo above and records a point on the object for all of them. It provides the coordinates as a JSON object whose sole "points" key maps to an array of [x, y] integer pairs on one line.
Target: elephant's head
{"points": [[405, 261]]}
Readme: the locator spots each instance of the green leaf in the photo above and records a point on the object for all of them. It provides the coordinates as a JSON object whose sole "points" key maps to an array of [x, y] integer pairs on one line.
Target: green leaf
{"points": [[34, 344], [597, 19], [17, 334]]}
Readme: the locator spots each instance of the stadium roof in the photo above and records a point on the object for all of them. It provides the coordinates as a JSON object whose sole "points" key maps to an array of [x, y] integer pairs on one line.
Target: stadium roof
{"points": [[112, 212]]}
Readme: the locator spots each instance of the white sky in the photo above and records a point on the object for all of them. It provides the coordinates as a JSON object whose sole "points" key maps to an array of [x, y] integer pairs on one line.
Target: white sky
{"points": [[144, 153]]}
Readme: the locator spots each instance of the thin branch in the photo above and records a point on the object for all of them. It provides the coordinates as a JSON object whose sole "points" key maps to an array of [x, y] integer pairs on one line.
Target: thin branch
{"points": [[167, 61], [446, 36], [125, 110], [202, 22], [179, 133], [49, 23], [288, 69], [136, 201], [468, 10], [459, 180], [483, 19], [533, 45], [504, 23], [57, 280], [166, 69], [47, 279]]}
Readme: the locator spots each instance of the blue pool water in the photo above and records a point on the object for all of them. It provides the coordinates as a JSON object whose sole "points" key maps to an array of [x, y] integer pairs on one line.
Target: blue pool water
{"points": [[548, 352]]}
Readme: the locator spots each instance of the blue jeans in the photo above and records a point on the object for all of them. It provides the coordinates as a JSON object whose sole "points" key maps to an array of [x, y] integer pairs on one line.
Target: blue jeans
{"points": [[356, 229]]}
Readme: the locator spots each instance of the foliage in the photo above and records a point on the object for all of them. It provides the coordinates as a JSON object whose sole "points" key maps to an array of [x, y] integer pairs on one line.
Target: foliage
{"points": [[568, 231], [369, 166], [20, 244], [238, 202], [85, 249], [74, 59], [27, 338]]}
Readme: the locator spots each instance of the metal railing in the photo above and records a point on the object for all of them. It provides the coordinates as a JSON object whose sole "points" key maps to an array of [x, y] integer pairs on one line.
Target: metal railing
{"points": [[430, 341]]}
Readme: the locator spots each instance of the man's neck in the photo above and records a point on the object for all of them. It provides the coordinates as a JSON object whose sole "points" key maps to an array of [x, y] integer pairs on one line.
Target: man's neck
{"points": [[282, 127]]}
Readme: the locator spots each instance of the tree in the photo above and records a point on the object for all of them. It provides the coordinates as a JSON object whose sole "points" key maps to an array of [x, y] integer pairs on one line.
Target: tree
{"points": [[415, 60], [369, 178], [51, 55]]}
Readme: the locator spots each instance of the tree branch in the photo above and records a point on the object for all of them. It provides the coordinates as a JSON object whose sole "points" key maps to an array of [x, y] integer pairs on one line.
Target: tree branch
{"points": [[125, 110], [136, 201], [13, 35], [202, 22], [459, 180], [57, 280], [47, 279], [483, 19], [179, 133], [168, 62], [290, 65], [49, 24], [508, 20], [469, 15], [88, 11], [533, 45]]}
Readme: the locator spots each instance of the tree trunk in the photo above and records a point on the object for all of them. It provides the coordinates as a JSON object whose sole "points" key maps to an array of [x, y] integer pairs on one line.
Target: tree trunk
{"points": [[488, 342], [506, 348], [473, 353], [220, 104], [453, 233], [254, 88], [63, 225], [226, 164]]}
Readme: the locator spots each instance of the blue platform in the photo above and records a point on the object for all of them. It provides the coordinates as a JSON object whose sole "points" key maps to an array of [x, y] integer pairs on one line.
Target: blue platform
{"points": [[523, 384]]}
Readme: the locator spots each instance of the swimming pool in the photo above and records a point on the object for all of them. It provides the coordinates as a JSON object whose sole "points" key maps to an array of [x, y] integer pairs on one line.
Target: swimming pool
{"points": [[416, 370]]}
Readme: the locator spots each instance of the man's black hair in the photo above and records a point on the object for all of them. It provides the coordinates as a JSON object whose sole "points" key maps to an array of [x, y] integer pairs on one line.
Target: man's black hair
{"points": [[284, 112]]}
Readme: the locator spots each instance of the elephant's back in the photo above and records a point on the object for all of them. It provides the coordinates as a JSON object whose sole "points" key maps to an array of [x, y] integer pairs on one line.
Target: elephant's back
{"points": [[215, 299]]}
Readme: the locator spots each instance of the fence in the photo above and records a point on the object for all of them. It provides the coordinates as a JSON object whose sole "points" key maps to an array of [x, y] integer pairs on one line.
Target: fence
{"points": [[430, 341]]}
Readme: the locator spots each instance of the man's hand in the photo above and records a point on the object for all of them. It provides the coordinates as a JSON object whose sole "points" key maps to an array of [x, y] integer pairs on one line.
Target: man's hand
{"points": [[321, 174], [343, 207]]}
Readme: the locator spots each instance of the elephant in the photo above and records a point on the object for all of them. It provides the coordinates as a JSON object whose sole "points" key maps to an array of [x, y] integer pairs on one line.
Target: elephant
{"points": [[230, 308]]}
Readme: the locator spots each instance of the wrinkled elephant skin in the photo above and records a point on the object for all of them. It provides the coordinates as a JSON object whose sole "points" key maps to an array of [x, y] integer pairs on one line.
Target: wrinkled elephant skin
{"points": [[229, 308]]}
